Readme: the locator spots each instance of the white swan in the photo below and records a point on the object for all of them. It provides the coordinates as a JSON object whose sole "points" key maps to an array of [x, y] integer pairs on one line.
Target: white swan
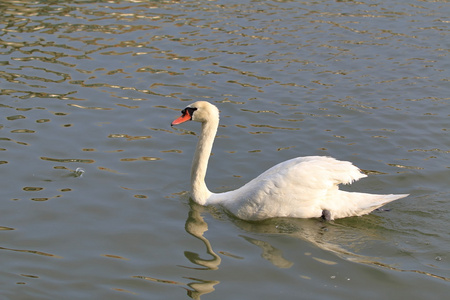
{"points": [[303, 187]]}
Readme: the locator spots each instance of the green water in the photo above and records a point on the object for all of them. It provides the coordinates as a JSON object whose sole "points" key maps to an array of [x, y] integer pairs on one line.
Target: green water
{"points": [[95, 85]]}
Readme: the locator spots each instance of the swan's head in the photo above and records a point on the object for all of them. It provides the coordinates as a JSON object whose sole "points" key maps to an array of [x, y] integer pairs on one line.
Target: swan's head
{"points": [[200, 111]]}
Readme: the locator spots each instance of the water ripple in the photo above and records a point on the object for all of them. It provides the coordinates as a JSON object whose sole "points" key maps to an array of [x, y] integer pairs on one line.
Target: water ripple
{"points": [[96, 83]]}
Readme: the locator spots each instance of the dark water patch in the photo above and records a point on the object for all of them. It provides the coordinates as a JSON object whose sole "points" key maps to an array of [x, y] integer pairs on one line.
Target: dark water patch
{"points": [[68, 160], [95, 84]]}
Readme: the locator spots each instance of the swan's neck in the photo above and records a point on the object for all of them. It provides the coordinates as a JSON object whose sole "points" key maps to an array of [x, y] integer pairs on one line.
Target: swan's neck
{"points": [[200, 192]]}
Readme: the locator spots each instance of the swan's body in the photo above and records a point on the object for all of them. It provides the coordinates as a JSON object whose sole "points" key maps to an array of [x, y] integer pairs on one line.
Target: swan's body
{"points": [[303, 187]]}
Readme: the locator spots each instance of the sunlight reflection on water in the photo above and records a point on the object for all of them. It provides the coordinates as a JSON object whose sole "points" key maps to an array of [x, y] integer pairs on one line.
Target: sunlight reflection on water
{"points": [[93, 85]]}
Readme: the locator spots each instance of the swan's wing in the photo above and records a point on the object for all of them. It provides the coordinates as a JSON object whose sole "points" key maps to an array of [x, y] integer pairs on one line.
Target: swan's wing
{"points": [[319, 172]]}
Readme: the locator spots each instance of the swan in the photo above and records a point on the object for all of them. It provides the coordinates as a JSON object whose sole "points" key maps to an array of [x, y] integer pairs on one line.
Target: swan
{"points": [[302, 187]]}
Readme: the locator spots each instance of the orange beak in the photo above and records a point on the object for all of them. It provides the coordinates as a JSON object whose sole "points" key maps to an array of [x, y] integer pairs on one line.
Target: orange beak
{"points": [[185, 117]]}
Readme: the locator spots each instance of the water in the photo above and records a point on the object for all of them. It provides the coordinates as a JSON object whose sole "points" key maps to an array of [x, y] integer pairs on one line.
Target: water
{"points": [[95, 84]]}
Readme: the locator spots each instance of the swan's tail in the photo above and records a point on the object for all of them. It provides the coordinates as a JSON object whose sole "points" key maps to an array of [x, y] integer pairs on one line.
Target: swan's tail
{"points": [[358, 204]]}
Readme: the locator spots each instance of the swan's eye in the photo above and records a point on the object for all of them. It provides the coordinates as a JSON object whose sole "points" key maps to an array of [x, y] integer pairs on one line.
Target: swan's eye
{"points": [[188, 110]]}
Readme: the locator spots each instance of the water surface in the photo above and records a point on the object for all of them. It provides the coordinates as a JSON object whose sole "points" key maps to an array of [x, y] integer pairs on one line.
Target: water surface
{"points": [[95, 85]]}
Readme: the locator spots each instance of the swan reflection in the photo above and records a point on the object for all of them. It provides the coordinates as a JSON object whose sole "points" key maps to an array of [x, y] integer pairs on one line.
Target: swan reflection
{"points": [[196, 226], [327, 236], [343, 238], [270, 253]]}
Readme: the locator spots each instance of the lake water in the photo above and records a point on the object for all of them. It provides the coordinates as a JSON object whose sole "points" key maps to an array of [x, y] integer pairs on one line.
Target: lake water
{"points": [[95, 84]]}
